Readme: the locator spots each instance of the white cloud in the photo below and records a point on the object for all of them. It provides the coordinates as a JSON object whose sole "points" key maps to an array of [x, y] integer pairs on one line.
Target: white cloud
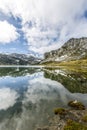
{"points": [[45, 20], [8, 32], [7, 98], [43, 49]]}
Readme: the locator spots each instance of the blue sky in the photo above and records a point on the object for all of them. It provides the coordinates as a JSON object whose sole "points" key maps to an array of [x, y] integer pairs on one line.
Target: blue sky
{"points": [[39, 26]]}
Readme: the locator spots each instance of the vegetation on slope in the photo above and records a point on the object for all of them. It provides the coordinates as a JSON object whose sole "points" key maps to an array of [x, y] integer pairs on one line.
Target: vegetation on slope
{"points": [[78, 63]]}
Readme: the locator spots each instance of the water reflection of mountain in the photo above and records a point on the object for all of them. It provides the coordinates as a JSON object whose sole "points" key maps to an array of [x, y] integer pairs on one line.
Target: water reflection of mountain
{"points": [[38, 102], [30, 98], [73, 81], [16, 71]]}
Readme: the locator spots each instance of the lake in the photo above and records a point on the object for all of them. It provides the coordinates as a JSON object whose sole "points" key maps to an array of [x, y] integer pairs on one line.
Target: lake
{"points": [[28, 95]]}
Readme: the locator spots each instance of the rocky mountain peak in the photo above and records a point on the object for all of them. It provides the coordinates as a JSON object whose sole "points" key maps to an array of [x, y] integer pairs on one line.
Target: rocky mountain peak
{"points": [[73, 49]]}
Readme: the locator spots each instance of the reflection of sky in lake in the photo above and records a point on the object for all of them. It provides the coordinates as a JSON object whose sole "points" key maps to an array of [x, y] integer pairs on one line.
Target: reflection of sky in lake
{"points": [[26, 101], [7, 98]]}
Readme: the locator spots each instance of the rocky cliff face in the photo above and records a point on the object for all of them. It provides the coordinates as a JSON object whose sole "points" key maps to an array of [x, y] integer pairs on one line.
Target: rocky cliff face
{"points": [[18, 59], [72, 50]]}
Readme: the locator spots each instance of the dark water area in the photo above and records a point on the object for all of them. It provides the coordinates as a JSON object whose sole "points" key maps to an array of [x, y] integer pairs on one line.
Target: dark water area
{"points": [[29, 95]]}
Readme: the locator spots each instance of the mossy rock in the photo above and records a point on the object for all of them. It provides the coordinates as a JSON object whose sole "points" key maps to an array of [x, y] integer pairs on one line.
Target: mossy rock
{"points": [[77, 105], [72, 125], [84, 118], [60, 111]]}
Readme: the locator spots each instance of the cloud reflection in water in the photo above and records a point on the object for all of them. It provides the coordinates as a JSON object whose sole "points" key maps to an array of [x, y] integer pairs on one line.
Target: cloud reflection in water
{"points": [[7, 98]]}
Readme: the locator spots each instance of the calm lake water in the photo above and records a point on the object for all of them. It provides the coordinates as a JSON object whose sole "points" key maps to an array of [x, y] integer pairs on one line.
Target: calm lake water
{"points": [[29, 95]]}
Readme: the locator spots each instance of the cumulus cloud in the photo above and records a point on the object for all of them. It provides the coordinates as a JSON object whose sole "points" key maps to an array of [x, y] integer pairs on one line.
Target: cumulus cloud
{"points": [[8, 32], [47, 24]]}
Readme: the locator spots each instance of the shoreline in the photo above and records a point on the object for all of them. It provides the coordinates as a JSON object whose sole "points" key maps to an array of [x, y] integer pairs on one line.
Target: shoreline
{"points": [[60, 122], [72, 118]]}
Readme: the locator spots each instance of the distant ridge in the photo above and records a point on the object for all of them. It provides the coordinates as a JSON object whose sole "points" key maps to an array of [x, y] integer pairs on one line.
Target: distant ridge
{"points": [[18, 59]]}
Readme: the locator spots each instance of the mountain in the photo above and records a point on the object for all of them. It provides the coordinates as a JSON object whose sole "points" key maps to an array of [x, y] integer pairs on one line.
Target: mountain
{"points": [[73, 49], [18, 59]]}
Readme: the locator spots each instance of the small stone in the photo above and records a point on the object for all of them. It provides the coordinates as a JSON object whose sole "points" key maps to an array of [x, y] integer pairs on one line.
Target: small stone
{"points": [[77, 105]]}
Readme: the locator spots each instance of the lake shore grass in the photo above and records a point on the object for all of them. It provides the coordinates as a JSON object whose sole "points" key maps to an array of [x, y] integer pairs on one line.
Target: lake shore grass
{"points": [[79, 63]]}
